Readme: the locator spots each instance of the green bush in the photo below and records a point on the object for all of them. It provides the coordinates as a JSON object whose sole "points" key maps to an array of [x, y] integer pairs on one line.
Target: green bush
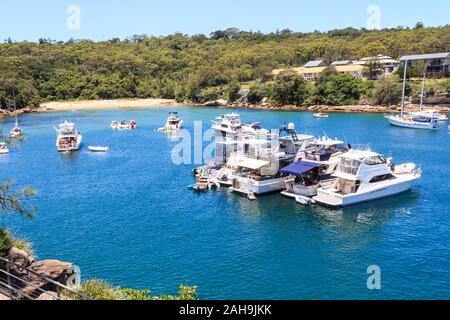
{"points": [[98, 290], [102, 290], [6, 242]]}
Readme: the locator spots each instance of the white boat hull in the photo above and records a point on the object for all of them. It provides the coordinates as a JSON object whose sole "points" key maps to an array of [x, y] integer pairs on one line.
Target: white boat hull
{"points": [[398, 122], [249, 186], [330, 198], [70, 148]]}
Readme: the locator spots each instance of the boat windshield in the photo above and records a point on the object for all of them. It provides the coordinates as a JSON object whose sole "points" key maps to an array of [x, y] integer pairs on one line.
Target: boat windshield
{"points": [[349, 166], [376, 160]]}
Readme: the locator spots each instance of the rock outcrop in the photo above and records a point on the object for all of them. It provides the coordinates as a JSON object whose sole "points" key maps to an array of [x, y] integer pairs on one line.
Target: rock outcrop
{"points": [[20, 257], [36, 285], [216, 103]]}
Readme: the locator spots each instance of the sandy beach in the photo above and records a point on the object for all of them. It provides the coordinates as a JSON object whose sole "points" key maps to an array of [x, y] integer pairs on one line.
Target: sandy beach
{"points": [[107, 104]]}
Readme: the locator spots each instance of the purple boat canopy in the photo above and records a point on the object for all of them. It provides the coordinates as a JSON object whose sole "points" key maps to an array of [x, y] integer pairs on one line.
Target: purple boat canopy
{"points": [[301, 167]]}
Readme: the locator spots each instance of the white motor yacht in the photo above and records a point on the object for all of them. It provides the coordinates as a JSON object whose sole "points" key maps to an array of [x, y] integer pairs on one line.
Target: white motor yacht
{"points": [[254, 169], [365, 176], [173, 123], [313, 168], [68, 138], [3, 148]]}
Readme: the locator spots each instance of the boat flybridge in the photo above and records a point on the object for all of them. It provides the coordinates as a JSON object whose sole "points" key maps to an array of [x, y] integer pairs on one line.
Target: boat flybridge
{"points": [[3, 148], [254, 168], [230, 125], [313, 168], [173, 123], [421, 120], [364, 176], [68, 138]]}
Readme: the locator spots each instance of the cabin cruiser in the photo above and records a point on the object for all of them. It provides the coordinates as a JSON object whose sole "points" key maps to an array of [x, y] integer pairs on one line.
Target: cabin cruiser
{"points": [[230, 125], [365, 176], [124, 125], [313, 168], [254, 169], [3, 148], [68, 139], [173, 123]]}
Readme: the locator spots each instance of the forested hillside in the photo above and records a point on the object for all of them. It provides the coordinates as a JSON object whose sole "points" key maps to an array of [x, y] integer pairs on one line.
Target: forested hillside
{"points": [[199, 67]]}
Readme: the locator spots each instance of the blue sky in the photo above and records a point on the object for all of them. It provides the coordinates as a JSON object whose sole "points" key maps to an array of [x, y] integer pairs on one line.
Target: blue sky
{"points": [[101, 19]]}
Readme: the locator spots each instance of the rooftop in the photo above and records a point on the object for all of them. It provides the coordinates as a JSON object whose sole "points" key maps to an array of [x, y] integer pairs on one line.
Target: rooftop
{"points": [[315, 63], [342, 63], [429, 56]]}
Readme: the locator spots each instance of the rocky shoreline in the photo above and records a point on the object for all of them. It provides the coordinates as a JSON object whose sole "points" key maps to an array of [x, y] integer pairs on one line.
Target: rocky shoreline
{"points": [[360, 108]]}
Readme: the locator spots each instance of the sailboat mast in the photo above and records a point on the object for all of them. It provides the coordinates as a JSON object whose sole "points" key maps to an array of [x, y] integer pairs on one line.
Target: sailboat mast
{"points": [[15, 110], [404, 87], [423, 91]]}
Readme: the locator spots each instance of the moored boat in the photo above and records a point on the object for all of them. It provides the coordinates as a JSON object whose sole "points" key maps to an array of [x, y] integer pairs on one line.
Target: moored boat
{"points": [[16, 131], [124, 125], [98, 149], [68, 138], [173, 123], [320, 115], [412, 121], [3, 148], [365, 176]]}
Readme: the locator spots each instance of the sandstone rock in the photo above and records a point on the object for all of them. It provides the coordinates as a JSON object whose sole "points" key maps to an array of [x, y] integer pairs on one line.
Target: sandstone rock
{"points": [[216, 103], [53, 269], [20, 257]]}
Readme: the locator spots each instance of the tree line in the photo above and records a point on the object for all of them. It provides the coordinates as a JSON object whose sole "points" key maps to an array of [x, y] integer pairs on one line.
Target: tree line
{"points": [[199, 67]]}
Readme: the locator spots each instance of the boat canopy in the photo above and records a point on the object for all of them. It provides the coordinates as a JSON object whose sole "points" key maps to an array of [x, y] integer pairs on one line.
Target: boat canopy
{"points": [[301, 167], [253, 164]]}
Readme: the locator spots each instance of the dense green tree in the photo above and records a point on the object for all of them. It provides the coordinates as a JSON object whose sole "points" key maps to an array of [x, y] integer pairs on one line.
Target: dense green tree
{"points": [[184, 66], [388, 90], [289, 88]]}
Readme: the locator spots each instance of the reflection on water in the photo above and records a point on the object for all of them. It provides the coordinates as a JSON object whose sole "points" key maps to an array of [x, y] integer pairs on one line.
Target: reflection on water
{"points": [[369, 213]]}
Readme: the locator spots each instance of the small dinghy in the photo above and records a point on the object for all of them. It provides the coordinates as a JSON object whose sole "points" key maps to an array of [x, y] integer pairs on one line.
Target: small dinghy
{"points": [[304, 200], [320, 115], [98, 149], [204, 185]]}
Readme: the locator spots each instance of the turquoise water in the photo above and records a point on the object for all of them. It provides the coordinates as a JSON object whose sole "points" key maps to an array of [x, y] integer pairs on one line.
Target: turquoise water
{"points": [[128, 217]]}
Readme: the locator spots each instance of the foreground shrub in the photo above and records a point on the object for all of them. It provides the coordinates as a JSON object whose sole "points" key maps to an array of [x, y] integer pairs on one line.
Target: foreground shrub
{"points": [[98, 290]]}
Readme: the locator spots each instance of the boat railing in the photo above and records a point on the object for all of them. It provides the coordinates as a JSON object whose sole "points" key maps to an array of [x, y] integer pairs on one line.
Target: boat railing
{"points": [[12, 286]]}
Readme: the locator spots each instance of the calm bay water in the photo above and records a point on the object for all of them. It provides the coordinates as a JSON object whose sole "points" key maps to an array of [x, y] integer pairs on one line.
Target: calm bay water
{"points": [[128, 217]]}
